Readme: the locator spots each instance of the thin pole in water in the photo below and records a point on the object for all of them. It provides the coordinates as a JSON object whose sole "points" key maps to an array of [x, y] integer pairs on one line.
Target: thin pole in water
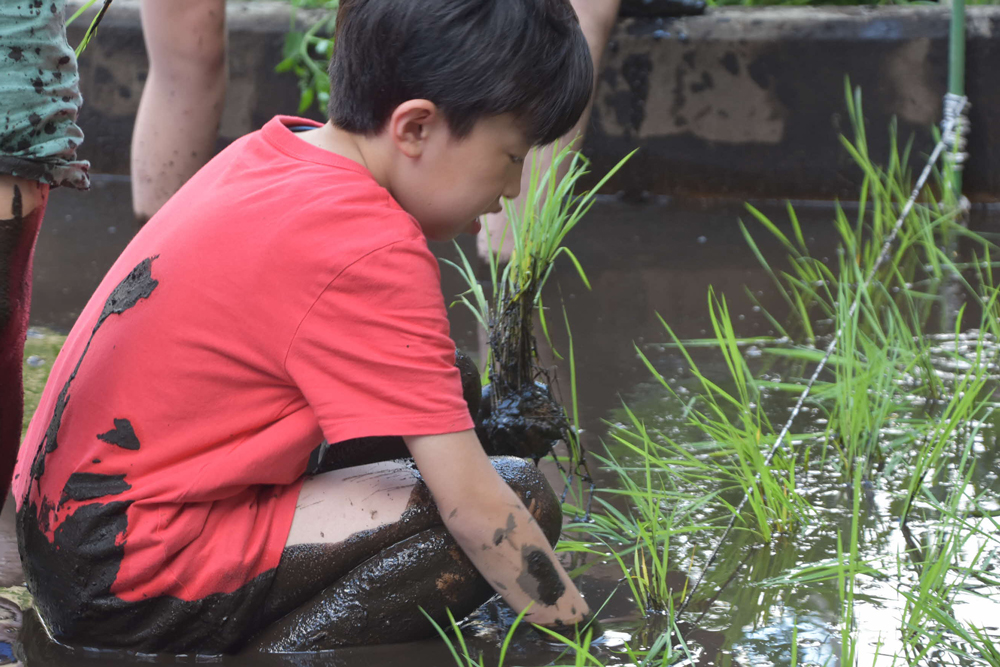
{"points": [[956, 88], [954, 162]]}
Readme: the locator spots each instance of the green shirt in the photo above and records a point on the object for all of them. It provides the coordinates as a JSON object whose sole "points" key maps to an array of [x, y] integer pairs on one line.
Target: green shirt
{"points": [[39, 95]]}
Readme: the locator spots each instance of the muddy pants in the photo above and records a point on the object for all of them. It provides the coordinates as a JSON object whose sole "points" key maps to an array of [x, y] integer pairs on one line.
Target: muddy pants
{"points": [[39, 102]]}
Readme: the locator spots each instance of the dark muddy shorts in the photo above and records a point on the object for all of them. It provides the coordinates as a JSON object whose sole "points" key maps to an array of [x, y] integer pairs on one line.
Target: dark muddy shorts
{"points": [[39, 95]]}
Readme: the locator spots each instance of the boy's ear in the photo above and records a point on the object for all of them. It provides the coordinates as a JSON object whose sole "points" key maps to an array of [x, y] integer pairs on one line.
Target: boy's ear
{"points": [[410, 125]]}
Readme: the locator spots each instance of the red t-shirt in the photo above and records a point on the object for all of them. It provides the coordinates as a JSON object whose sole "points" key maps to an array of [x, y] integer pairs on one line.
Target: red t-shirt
{"points": [[282, 296]]}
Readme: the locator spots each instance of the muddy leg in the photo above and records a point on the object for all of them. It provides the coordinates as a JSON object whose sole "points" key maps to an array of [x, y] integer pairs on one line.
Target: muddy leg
{"points": [[383, 561], [22, 204], [379, 601]]}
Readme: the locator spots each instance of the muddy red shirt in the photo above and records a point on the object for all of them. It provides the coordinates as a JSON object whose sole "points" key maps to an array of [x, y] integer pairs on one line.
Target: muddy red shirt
{"points": [[281, 297]]}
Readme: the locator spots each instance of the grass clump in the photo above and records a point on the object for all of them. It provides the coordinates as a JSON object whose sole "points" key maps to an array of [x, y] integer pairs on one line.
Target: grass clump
{"points": [[40, 351]]}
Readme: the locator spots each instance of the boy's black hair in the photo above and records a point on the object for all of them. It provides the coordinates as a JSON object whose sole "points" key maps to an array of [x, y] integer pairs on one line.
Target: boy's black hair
{"points": [[472, 58]]}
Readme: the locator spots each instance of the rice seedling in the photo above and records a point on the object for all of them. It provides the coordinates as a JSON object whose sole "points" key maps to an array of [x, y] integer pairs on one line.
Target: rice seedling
{"points": [[738, 423], [665, 650], [458, 648], [899, 409], [639, 538], [94, 23], [523, 418]]}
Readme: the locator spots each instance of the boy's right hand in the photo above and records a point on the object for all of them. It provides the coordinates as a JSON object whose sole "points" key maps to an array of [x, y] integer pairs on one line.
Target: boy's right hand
{"points": [[495, 529]]}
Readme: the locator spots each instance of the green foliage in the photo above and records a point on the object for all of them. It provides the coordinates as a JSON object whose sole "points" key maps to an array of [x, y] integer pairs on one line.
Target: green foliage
{"points": [[94, 23], [42, 347], [661, 653], [307, 52], [551, 210]]}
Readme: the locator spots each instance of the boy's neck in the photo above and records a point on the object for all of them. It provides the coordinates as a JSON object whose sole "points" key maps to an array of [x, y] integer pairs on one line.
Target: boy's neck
{"points": [[366, 151]]}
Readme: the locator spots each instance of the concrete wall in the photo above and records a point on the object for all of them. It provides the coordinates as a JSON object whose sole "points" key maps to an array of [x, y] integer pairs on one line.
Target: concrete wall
{"points": [[739, 102], [750, 102]]}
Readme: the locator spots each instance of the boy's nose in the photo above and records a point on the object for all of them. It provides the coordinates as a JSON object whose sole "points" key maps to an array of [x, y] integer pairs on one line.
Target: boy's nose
{"points": [[513, 189]]}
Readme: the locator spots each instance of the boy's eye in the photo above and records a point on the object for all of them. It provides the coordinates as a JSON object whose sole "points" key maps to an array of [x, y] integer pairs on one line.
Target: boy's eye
{"points": [[516, 159]]}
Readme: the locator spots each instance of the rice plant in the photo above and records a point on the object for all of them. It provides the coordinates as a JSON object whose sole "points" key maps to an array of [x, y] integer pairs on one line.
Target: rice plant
{"points": [[898, 406], [665, 650], [94, 23], [519, 386]]}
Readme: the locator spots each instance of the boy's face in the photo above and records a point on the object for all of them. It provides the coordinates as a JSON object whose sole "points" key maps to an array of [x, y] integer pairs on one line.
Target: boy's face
{"points": [[454, 181]]}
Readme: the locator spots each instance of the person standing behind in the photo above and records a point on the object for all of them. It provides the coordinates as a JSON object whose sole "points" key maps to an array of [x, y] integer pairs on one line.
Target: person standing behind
{"points": [[597, 19], [39, 102], [177, 125]]}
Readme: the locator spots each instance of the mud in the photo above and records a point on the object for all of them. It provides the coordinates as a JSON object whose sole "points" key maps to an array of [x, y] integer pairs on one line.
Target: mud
{"points": [[526, 424], [539, 577], [78, 605], [472, 385], [91, 485], [331, 590], [136, 286], [381, 599], [122, 435]]}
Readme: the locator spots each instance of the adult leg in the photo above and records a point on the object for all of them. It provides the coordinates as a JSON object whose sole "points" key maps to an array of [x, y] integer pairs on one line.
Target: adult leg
{"points": [[597, 19], [181, 106], [367, 550], [22, 204]]}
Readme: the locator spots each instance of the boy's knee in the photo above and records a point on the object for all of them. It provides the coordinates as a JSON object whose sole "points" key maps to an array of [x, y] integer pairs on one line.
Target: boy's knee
{"points": [[530, 485]]}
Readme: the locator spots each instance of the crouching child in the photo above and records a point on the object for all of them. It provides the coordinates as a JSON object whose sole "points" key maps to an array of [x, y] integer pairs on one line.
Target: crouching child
{"points": [[286, 296]]}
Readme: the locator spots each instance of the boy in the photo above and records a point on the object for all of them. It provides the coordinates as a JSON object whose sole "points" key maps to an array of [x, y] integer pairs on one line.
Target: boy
{"points": [[285, 295]]}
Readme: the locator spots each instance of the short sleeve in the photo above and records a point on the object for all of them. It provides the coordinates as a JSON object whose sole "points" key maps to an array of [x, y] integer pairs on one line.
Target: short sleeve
{"points": [[373, 356]]}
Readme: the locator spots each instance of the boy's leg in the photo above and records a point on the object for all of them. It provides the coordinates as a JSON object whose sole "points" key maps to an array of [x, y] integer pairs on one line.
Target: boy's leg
{"points": [[182, 101], [367, 549], [22, 205]]}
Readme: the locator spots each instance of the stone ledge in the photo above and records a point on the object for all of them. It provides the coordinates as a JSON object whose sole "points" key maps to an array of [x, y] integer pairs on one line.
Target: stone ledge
{"points": [[738, 102], [750, 102]]}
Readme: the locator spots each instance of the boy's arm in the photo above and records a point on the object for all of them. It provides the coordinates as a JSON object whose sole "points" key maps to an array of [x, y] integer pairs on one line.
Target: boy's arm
{"points": [[475, 504]]}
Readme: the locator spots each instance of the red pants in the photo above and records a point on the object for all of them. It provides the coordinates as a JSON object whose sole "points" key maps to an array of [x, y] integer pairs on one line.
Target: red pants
{"points": [[17, 248]]}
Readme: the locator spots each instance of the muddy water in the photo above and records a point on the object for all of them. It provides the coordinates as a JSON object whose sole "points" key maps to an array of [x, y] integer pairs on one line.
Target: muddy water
{"points": [[641, 259]]}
